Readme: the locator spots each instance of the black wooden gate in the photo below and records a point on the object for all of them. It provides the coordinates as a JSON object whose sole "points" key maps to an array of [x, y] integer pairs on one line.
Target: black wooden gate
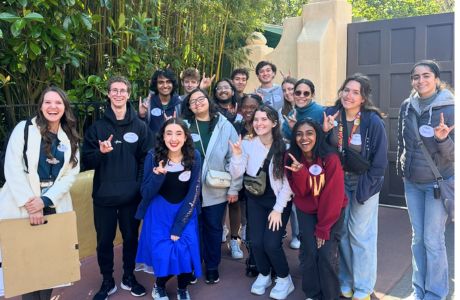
{"points": [[386, 51]]}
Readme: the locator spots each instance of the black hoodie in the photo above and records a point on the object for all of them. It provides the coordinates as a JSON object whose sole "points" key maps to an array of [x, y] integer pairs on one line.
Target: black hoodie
{"points": [[118, 174]]}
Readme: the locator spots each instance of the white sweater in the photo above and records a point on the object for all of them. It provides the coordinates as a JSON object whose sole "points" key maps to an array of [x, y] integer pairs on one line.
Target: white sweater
{"points": [[254, 154]]}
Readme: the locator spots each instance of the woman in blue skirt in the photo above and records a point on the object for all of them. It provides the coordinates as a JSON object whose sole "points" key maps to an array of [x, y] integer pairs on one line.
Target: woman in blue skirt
{"points": [[169, 242]]}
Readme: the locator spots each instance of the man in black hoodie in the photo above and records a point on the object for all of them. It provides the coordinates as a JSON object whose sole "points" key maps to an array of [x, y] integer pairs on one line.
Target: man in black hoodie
{"points": [[115, 147]]}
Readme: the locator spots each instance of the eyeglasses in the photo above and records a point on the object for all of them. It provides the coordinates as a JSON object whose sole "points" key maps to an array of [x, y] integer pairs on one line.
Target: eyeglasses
{"points": [[197, 100], [223, 88], [118, 92], [299, 93]]}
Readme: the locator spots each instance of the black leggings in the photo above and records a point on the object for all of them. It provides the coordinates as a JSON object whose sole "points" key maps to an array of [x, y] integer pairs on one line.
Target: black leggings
{"points": [[183, 280]]}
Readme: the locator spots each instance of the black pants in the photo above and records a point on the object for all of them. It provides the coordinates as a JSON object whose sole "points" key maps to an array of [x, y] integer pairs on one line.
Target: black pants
{"points": [[267, 244], [183, 280], [105, 221], [38, 295], [319, 267], [211, 234]]}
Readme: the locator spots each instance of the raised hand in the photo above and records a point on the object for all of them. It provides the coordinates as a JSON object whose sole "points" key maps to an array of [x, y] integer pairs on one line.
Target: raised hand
{"points": [[236, 147], [106, 146], [169, 117], [295, 165], [143, 108], [329, 121], [292, 119], [287, 75], [206, 81], [442, 130], [160, 169]]}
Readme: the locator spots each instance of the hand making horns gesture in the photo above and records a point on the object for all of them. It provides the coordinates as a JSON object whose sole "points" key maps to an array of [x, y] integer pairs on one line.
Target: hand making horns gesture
{"points": [[295, 165], [106, 146], [442, 130], [206, 81], [292, 119], [236, 147], [160, 169], [329, 121]]}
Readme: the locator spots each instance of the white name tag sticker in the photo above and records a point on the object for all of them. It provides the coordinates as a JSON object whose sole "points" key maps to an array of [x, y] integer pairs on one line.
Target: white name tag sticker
{"points": [[315, 170], [62, 148], [185, 176], [156, 112], [130, 137], [195, 137], [426, 131], [356, 139]]}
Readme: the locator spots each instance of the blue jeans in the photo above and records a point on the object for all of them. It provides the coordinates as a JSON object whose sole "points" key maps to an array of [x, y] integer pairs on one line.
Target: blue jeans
{"points": [[358, 246], [430, 277]]}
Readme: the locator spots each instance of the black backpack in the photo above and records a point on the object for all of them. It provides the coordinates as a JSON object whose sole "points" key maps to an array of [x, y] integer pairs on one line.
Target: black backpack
{"points": [[24, 151]]}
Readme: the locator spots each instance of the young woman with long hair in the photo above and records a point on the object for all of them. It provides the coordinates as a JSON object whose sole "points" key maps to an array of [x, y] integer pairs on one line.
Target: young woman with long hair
{"points": [[169, 243], [366, 136], [268, 212], [315, 175], [43, 187], [431, 104]]}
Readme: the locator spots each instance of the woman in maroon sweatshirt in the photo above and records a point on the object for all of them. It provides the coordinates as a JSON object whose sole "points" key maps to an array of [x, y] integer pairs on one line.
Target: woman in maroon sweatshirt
{"points": [[315, 175]]}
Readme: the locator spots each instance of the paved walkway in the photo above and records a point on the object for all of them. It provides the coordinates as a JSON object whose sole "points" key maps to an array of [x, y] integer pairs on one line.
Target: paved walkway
{"points": [[393, 280]]}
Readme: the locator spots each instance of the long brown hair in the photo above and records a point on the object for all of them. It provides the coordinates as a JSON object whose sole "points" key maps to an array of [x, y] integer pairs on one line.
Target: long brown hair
{"points": [[68, 124]]}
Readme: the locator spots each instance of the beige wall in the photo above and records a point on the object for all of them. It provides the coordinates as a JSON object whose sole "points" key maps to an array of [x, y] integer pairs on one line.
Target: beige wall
{"points": [[313, 46], [83, 206]]}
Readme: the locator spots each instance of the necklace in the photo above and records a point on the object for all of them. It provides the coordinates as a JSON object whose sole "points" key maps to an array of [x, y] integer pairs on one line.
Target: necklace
{"points": [[176, 160]]}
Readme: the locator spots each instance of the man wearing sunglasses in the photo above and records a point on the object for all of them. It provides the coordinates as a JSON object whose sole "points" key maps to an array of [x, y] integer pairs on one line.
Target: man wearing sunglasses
{"points": [[271, 93]]}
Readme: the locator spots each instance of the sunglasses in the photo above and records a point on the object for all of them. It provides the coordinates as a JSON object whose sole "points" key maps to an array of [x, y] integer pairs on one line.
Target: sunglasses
{"points": [[299, 93]]}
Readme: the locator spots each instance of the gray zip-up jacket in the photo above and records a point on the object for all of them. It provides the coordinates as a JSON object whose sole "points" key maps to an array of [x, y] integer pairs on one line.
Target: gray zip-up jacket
{"points": [[218, 155], [410, 159]]}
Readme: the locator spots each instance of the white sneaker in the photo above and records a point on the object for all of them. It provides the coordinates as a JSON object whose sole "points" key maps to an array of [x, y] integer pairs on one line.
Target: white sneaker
{"points": [[242, 232], [282, 288], [295, 243], [159, 293], [224, 233], [234, 247], [261, 284]]}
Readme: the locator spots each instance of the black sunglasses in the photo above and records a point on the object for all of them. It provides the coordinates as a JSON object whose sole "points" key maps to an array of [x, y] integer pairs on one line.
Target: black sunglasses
{"points": [[299, 93]]}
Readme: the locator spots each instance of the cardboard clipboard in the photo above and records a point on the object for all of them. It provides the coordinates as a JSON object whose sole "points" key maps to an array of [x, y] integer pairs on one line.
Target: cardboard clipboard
{"points": [[39, 257]]}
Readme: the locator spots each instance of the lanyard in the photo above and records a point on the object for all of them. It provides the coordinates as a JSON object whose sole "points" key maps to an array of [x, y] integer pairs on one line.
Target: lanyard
{"points": [[356, 123]]}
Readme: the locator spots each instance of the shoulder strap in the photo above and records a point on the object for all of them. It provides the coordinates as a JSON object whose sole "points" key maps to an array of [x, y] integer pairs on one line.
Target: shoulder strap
{"points": [[427, 155], [24, 149], [268, 158], [345, 129]]}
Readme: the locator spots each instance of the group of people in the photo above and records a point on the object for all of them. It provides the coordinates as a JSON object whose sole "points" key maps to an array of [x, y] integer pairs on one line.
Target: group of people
{"points": [[180, 162]]}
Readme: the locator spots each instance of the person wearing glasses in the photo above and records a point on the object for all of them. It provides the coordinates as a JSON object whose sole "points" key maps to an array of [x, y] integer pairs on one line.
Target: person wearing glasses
{"points": [[115, 147], [211, 132], [305, 107], [225, 96]]}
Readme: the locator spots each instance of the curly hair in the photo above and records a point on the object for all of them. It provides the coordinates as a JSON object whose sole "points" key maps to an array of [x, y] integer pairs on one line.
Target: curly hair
{"points": [[188, 149], [68, 124], [278, 145], [167, 73]]}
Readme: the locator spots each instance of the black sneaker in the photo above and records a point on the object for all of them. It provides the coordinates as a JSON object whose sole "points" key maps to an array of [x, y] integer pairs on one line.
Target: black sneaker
{"points": [[212, 276], [193, 279], [108, 287], [130, 283]]}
